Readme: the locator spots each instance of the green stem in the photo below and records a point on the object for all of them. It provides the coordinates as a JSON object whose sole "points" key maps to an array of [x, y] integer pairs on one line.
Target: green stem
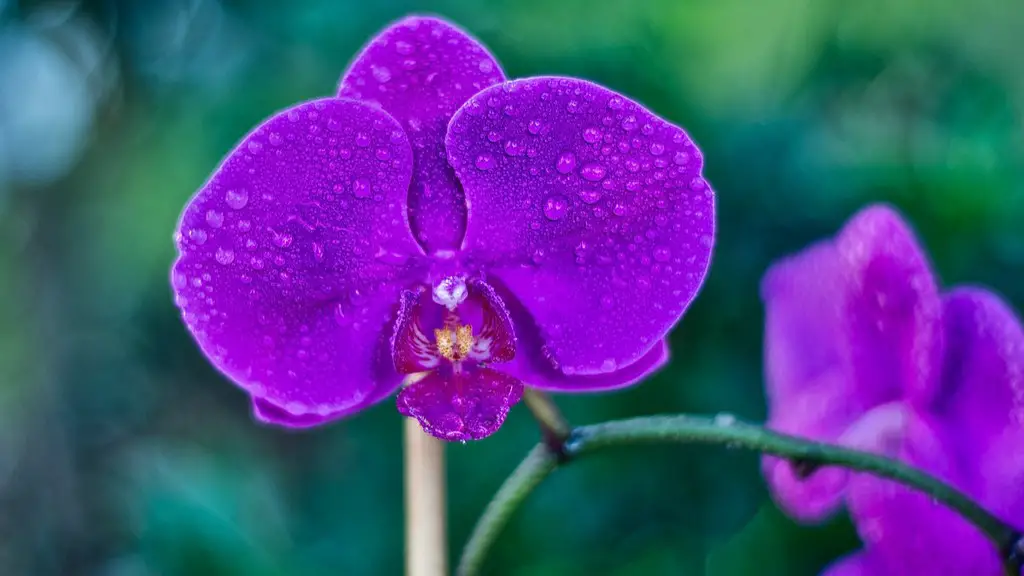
{"points": [[725, 430], [554, 428]]}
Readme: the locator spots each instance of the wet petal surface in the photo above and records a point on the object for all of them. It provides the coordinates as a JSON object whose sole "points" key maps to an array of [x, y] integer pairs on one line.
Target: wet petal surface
{"points": [[420, 70], [893, 314], [981, 403], [852, 325], [532, 366], [590, 209], [907, 532], [467, 405], [293, 254]]}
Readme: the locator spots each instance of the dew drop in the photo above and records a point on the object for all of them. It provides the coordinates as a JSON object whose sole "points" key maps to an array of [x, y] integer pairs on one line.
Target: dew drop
{"points": [[534, 127], [681, 158], [493, 136], [282, 240], [662, 253], [592, 134], [566, 162], [593, 172], [404, 48], [607, 302], [254, 146], [629, 123], [237, 199], [214, 218], [555, 207], [381, 73], [657, 148], [486, 66], [224, 256], [362, 140], [383, 154], [616, 103], [197, 235], [485, 162], [513, 148], [590, 195], [361, 188]]}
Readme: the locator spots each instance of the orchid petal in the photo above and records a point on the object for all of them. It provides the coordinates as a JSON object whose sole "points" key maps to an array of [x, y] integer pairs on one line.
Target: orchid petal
{"points": [[292, 256], [467, 405], [590, 209], [420, 70]]}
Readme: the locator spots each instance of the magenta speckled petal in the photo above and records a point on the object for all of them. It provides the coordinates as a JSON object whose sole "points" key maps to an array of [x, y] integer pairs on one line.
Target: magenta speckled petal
{"points": [[468, 405], [420, 70], [590, 209], [894, 314], [982, 398], [293, 254]]}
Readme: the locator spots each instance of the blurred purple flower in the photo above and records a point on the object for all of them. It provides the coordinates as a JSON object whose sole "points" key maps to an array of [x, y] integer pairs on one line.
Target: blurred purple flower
{"points": [[862, 350], [435, 220]]}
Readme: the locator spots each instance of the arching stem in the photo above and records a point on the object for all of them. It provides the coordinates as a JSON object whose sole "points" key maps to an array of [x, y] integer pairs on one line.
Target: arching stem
{"points": [[723, 430]]}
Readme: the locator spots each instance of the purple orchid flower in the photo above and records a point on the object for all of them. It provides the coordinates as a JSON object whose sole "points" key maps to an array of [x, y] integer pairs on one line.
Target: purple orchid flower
{"points": [[435, 220], [862, 350]]}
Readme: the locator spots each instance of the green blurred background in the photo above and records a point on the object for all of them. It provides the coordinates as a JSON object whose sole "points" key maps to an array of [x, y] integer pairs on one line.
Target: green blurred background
{"points": [[123, 453]]}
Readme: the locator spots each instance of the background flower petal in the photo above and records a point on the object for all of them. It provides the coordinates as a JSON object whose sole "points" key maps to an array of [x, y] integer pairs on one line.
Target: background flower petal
{"points": [[908, 532], [810, 388], [293, 253], [590, 209], [893, 317], [982, 397], [420, 70]]}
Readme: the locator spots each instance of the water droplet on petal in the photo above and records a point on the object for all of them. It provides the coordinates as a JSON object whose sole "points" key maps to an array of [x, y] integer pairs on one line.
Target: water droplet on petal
{"points": [[214, 218], [197, 235], [486, 66], [616, 103], [590, 195], [555, 207], [224, 256], [592, 134], [534, 127], [681, 158], [282, 240], [404, 48], [362, 140], [254, 146], [361, 188], [662, 253], [380, 73], [593, 172], [237, 199], [629, 123], [657, 148], [485, 162], [513, 148], [566, 163]]}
